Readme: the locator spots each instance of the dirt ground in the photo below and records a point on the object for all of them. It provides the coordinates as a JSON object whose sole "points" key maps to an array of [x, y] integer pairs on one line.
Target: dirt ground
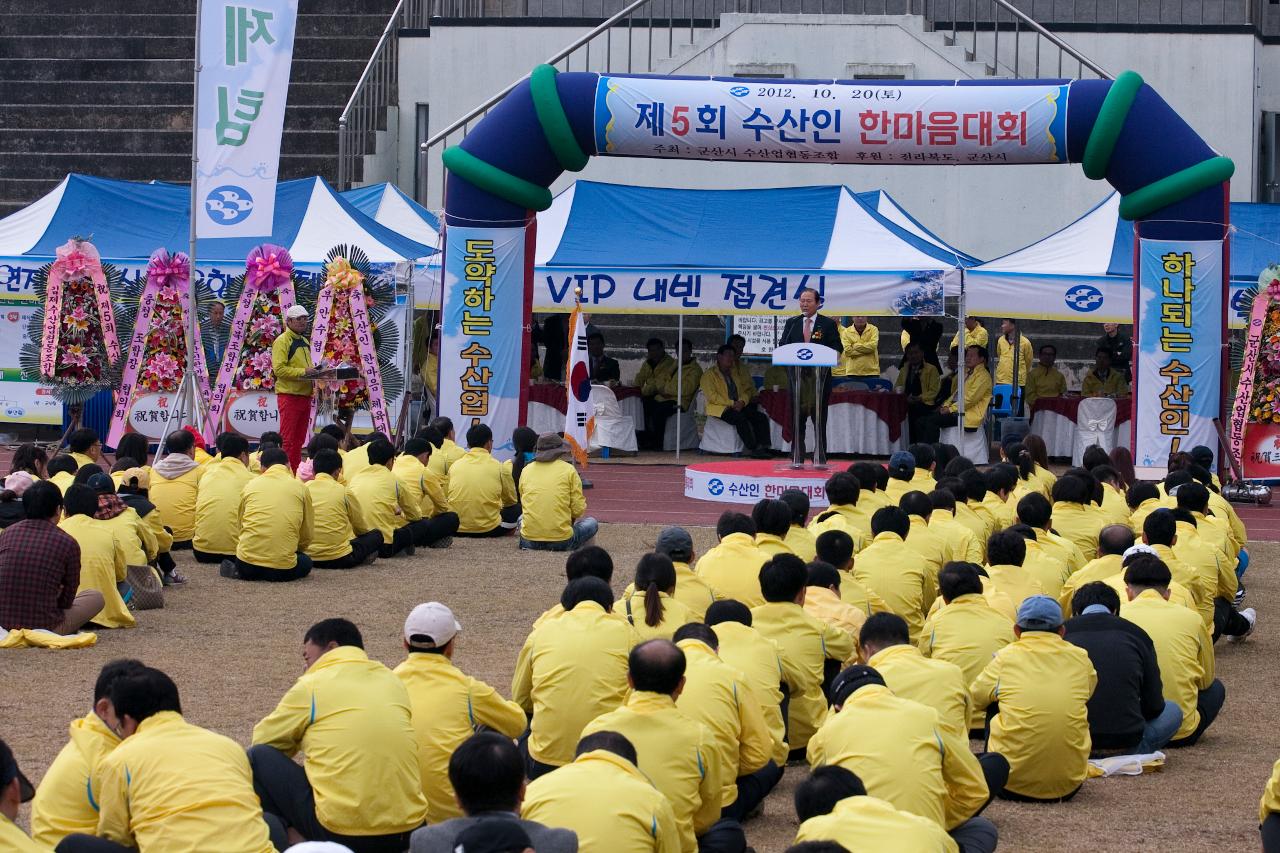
{"points": [[234, 648]]}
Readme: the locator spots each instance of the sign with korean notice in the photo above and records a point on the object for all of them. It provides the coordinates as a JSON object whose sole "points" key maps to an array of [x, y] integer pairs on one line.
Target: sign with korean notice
{"points": [[1178, 391], [246, 49], [787, 121]]}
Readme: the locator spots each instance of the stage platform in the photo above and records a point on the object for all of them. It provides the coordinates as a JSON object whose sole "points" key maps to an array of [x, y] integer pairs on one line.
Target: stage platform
{"points": [[747, 481]]}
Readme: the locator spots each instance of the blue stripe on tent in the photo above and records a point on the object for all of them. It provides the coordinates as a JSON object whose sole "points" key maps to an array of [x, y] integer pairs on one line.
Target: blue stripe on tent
{"points": [[367, 199], [948, 259], [650, 226], [872, 199], [1255, 241]]}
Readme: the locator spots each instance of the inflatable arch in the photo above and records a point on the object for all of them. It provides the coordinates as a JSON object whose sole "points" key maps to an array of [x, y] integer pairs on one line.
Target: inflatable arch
{"points": [[1174, 186]]}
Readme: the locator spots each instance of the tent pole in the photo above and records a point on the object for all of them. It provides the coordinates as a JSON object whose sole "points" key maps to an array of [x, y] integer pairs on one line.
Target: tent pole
{"points": [[960, 364], [679, 379]]}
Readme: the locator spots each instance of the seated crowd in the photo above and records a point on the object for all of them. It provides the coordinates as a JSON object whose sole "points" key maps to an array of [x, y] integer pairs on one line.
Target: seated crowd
{"points": [[930, 605]]}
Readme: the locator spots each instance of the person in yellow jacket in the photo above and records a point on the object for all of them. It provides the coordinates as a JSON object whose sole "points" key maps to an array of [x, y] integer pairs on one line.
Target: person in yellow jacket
{"points": [[732, 567], [977, 392], [920, 382], [1006, 552], [1041, 684], [801, 540], [675, 751], [433, 523], [290, 361], [677, 389], [1113, 543], [835, 547], [140, 543], [718, 696], [894, 571], [1074, 516], [651, 607], [352, 718], [730, 396], [570, 670], [651, 378], [886, 647], [448, 706], [357, 458], [553, 508], [276, 525], [84, 446], [1050, 572], [1184, 649], [902, 752], [961, 543], [807, 643], [392, 511], [966, 631], [447, 451], [1104, 380], [341, 537], [104, 555], [1045, 380], [604, 798], [173, 786], [1268, 809], [849, 508], [15, 789], [691, 590], [481, 490], [175, 480], [1009, 332], [1035, 511], [761, 664], [217, 527], [65, 802], [833, 806], [860, 353], [822, 599], [925, 539]]}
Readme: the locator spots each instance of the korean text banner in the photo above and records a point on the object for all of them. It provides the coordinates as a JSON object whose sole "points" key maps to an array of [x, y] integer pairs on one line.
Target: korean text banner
{"points": [[830, 122], [1179, 380], [481, 343], [246, 49]]}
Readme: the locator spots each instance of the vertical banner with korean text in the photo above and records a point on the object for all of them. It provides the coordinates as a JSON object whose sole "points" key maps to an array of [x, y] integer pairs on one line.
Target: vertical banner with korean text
{"points": [[482, 330], [246, 49], [1179, 378]]}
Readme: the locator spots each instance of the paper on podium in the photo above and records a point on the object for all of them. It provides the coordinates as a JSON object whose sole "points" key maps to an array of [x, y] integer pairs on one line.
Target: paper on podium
{"points": [[334, 372], [805, 355]]}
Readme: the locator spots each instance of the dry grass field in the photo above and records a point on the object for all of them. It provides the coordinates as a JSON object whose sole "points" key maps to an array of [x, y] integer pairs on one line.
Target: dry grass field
{"points": [[234, 648]]}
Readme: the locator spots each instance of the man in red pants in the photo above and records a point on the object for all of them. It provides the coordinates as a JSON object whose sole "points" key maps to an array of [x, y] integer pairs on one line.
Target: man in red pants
{"points": [[290, 359]]}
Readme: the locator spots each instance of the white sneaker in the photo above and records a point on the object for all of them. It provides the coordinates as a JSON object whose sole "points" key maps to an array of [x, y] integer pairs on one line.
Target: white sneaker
{"points": [[1252, 616]]}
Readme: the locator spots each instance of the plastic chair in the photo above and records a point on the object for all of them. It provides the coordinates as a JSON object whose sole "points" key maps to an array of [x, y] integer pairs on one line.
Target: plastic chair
{"points": [[1095, 424], [688, 432], [614, 429], [1003, 401], [878, 383]]}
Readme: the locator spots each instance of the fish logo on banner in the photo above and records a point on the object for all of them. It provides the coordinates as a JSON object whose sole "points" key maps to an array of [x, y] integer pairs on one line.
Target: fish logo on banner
{"points": [[579, 418], [1084, 298]]}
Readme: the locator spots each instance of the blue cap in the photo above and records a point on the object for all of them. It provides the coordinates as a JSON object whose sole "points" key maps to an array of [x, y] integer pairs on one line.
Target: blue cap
{"points": [[1039, 613], [903, 462]]}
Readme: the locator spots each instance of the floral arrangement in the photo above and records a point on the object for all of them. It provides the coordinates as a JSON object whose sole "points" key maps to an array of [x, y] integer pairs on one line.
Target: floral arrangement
{"points": [[1265, 404], [339, 346], [73, 341], [266, 322]]}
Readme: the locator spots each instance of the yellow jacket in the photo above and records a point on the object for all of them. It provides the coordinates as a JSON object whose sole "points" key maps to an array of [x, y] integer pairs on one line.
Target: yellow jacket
{"points": [[1184, 651], [977, 397], [66, 801], [691, 591], [716, 390], [571, 669], [1047, 569], [217, 526], [1114, 507], [967, 632], [975, 337], [1081, 524], [960, 539], [1114, 385], [684, 385], [354, 461], [1270, 801], [852, 519], [448, 707], [760, 663], [802, 543], [443, 457], [677, 753], [1044, 382], [900, 576], [980, 524], [806, 643], [929, 681], [1042, 683], [930, 383], [870, 823], [276, 519], [861, 352], [103, 564], [773, 545], [136, 539], [410, 477], [1015, 582], [929, 543], [352, 718], [176, 501], [733, 569], [717, 695], [903, 754], [1215, 577], [1063, 548], [551, 500], [337, 518], [62, 480], [14, 840], [1005, 512], [479, 487], [1004, 362], [1097, 570], [385, 505], [863, 597], [650, 378], [608, 802], [825, 606], [179, 788], [674, 614], [290, 358]]}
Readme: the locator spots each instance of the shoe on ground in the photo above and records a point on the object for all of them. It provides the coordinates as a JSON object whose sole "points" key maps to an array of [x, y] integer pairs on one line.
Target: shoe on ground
{"points": [[174, 578], [369, 560], [227, 569], [1252, 616], [442, 543], [410, 550], [1240, 593]]}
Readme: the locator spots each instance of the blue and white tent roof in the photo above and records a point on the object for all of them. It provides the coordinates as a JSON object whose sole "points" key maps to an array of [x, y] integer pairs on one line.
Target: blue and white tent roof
{"points": [[390, 206], [888, 207], [126, 219]]}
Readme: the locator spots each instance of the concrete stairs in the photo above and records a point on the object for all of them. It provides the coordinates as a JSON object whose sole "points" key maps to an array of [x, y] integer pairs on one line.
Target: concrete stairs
{"points": [[109, 93]]}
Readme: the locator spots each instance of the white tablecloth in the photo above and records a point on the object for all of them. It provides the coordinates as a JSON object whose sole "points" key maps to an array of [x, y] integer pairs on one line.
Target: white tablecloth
{"points": [[1059, 433], [851, 429]]}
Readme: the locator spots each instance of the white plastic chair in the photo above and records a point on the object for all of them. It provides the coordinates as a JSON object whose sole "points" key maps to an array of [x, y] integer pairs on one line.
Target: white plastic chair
{"points": [[717, 436], [974, 446], [688, 431], [1095, 424], [614, 428]]}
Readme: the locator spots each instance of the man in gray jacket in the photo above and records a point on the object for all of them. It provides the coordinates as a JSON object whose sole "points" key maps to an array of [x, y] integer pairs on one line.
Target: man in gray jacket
{"points": [[487, 774]]}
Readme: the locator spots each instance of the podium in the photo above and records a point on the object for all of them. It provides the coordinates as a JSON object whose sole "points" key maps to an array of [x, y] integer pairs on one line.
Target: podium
{"points": [[797, 358]]}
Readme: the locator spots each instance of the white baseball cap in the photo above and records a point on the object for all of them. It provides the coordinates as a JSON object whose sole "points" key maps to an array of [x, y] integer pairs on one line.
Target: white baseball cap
{"points": [[295, 311], [433, 624], [1140, 548]]}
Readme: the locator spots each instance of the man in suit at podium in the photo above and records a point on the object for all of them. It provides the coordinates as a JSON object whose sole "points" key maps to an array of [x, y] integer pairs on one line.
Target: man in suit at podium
{"points": [[812, 327]]}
